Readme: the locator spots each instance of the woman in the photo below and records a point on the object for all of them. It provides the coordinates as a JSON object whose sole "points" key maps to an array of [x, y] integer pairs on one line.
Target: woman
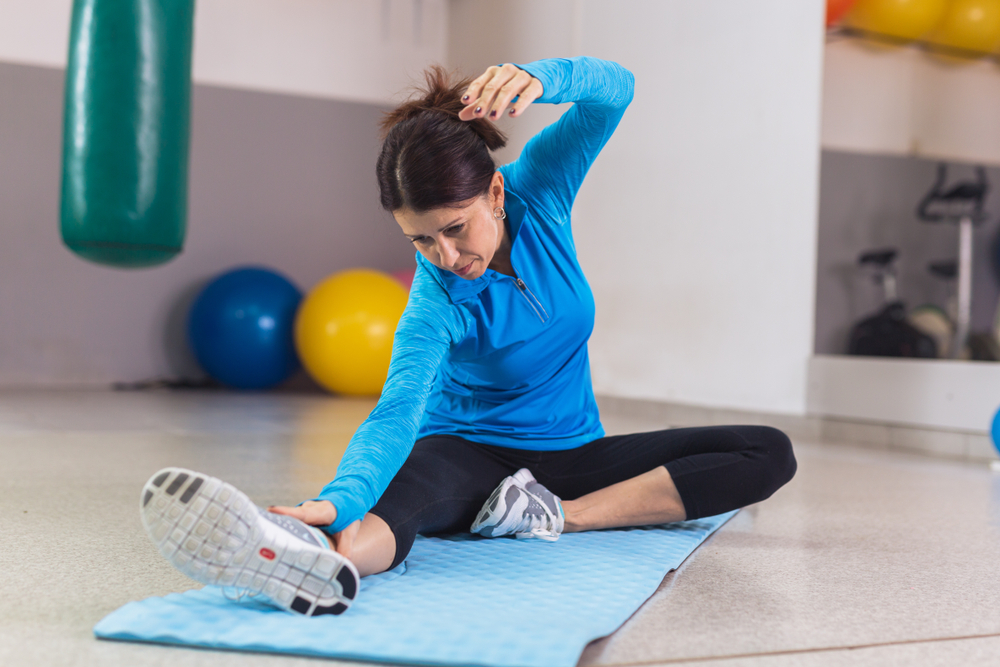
{"points": [[489, 382]]}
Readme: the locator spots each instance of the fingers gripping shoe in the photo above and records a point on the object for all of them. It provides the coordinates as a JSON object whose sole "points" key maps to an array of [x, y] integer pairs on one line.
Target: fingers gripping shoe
{"points": [[522, 507], [213, 533]]}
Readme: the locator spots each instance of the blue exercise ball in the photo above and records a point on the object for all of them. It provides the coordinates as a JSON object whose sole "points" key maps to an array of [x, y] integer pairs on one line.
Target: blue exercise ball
{"points": [[241, 328], [995, 431]]}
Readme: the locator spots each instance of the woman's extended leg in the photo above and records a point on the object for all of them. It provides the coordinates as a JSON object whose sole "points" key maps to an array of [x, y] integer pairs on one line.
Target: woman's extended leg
{"points": [[373, 548], [369, 544], [665, 476], [440, 488]]}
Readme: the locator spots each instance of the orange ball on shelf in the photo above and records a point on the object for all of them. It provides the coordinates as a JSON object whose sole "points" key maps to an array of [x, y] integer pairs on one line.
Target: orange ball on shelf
{"points": [[835, 10]]}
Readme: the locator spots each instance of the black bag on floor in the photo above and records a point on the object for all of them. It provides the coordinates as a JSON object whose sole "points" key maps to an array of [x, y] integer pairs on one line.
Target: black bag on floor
{"points": [[888, 334]]}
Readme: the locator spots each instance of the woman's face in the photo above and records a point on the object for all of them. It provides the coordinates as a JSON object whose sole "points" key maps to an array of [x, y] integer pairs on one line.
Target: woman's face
{"points": [[464, 239]]}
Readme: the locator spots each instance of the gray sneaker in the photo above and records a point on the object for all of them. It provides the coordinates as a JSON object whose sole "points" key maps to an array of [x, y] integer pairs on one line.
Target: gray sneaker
{"points": [[213, 533], [522, 507]]}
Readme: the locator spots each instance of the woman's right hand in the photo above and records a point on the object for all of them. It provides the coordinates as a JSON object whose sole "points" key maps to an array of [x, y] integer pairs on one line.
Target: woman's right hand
{"points": [[313, 512], [322, 513], [489, 94]]}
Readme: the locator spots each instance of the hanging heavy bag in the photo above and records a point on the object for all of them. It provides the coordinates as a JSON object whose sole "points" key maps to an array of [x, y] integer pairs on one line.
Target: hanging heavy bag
{"points": [[125, 133]]}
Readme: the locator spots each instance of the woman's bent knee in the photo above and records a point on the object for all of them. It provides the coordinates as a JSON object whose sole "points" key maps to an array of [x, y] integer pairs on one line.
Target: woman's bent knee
{"points": [[779, 457]]}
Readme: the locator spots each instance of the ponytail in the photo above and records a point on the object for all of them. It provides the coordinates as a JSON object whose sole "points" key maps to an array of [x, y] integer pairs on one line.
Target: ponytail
{"points": [[430, 158]]}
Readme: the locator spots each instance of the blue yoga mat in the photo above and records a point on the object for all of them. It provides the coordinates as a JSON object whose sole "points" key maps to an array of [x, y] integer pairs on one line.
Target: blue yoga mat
{"points": [[460, 600]]}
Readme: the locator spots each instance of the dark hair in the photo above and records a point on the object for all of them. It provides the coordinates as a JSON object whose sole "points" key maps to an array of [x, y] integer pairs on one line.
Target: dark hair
{"points": [[431, 159]]}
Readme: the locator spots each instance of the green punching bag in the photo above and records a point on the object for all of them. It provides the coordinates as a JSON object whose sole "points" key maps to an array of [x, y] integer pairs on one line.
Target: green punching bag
{"points": [[125, 132]]}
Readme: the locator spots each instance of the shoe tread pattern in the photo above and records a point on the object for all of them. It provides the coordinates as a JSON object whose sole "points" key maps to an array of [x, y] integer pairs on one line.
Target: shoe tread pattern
{"points": [[214, 534]]}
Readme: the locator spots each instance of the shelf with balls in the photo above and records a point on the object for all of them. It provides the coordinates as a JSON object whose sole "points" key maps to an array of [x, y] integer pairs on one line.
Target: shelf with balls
{"points": [[954, 29]]}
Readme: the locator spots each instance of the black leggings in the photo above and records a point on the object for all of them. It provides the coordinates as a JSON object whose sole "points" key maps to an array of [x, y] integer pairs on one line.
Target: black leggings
{"points": [[446, 479]]}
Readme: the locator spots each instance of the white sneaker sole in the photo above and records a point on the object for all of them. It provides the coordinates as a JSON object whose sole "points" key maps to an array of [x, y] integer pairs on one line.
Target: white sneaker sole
{"points": [[213, 533]]}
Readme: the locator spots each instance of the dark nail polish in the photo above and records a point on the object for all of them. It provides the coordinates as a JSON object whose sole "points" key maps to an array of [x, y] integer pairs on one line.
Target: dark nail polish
{"points": [[479, 109], [493, 114], [465, 99], [512, 112]]}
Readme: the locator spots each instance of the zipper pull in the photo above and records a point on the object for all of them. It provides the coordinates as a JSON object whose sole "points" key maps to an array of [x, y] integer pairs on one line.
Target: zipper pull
{"points": [[530, 298]]}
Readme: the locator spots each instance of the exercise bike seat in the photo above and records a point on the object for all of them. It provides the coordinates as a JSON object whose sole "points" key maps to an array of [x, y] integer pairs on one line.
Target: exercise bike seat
{"points": [[881, 258]]}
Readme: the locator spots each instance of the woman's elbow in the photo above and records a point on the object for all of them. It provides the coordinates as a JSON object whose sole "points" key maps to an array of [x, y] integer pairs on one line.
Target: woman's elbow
{"points": [[628, 86]]}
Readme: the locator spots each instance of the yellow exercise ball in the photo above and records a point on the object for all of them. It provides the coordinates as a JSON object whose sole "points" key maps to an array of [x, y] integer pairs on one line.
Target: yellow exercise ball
{"points": [[971, 25], [344, 330], [904, 19]]}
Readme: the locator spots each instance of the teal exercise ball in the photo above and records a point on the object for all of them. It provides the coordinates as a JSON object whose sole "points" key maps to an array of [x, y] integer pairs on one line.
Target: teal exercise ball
{"points": [[241, 328]]}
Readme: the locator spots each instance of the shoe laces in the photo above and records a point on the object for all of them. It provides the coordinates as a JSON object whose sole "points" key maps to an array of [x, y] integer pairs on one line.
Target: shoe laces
{"points": [[541, 526], [547, 535]]}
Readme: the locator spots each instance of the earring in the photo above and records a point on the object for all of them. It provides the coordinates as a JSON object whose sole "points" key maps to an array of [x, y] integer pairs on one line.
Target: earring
{"points": [[502, 215]]}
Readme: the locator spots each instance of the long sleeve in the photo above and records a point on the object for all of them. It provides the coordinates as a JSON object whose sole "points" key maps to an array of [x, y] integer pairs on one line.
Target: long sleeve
{"points": [[429, 326], [554, 162]]}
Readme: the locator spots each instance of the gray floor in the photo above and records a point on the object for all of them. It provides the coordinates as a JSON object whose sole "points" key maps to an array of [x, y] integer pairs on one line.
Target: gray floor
{"points": [[865, 558]]}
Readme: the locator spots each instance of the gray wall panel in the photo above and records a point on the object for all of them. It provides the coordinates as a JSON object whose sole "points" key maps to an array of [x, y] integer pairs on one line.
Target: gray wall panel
{"points": [[277, 180]]}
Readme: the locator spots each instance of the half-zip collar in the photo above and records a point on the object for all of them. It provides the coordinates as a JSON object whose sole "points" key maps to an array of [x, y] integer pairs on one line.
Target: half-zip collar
{"points": [[459, 289], [532, 300]]}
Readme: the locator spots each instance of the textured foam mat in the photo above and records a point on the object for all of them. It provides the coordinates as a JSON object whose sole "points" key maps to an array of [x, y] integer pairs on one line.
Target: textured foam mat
{"points": [[462, 600]]}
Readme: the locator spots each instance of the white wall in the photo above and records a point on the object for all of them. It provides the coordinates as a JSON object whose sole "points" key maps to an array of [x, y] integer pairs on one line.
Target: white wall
{"points": [[903, 101], [355, 50], [697, 224]]}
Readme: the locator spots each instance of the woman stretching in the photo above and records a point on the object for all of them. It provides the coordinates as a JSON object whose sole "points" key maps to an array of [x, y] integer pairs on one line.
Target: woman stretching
{"points": [[487, 421]]}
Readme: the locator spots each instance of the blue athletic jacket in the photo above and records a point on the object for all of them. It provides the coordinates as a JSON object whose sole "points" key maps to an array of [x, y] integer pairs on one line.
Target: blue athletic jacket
{"points": [[500, 360]]}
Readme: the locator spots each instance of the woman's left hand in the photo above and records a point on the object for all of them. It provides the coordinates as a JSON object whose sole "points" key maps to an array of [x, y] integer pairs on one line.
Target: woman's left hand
{"points": [[490, 94]]}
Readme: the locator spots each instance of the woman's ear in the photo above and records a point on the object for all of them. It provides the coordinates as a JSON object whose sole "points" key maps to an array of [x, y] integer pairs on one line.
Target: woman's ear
{"points": [[497, 190]]}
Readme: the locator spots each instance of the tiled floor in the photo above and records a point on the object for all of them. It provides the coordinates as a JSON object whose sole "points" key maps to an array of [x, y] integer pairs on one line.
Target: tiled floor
{"points": [[865, 558]]}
